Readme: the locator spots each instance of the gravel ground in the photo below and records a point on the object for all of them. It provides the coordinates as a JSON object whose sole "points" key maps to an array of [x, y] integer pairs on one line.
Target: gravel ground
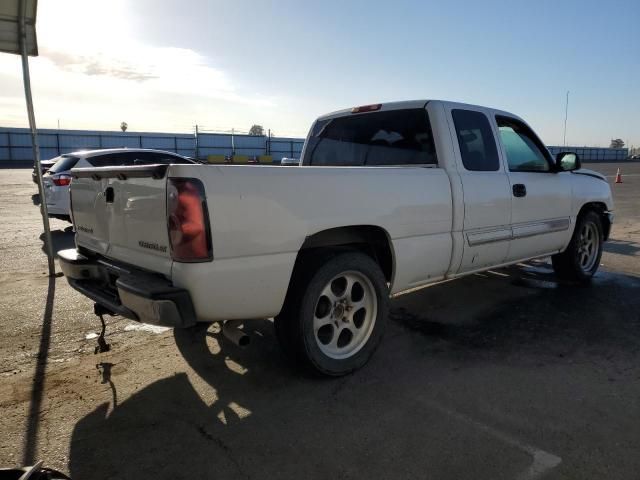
{"points": [[506, 374]]}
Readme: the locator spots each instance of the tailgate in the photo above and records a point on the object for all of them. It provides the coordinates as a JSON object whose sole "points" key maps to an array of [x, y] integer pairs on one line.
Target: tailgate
{"points": [[121, 213]]}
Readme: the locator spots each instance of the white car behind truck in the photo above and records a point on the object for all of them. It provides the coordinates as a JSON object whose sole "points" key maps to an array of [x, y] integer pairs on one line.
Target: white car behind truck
{"points": [[388, 197], [58, 177]]}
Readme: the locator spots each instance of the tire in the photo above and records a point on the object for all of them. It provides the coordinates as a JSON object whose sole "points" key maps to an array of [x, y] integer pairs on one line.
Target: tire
{"points": [[580, 261], [335, 313]]}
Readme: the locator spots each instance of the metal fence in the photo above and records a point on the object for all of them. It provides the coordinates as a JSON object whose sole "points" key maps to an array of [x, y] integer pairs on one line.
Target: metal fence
{"points": [[15, 143], [594, 154], [248, 145]]}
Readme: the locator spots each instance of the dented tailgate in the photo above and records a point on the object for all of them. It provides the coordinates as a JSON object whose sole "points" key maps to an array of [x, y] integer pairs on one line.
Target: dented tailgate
{"points": [[121, 214]]}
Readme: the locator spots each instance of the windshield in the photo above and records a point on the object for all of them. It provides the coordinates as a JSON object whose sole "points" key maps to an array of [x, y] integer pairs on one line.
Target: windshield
{"points": [[65, 162]]}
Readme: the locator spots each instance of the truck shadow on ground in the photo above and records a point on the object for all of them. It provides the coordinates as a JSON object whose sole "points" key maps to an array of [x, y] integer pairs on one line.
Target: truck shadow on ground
{"points": [[168, 431], [267, 420], [622, 247], [528, 310]]}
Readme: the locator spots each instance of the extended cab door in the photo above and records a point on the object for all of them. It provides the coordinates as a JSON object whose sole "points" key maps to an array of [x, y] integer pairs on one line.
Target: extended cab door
{"points": [[486, 189], [540, 196]]}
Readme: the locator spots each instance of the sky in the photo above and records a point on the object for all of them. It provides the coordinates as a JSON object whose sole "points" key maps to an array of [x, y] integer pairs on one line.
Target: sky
{"points": [[168, 65]]}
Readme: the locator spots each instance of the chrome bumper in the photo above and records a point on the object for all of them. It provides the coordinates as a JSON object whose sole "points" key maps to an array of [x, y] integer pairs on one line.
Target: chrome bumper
{"points": [[126, 291]]}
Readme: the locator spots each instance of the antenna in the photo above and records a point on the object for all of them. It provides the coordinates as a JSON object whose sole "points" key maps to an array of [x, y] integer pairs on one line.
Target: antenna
{"points": [[566, 113]]}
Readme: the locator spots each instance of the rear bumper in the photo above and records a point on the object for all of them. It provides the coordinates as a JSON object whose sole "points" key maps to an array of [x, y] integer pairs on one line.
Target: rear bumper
{"points": [[57, 199], [127, 291], [55, 209]]}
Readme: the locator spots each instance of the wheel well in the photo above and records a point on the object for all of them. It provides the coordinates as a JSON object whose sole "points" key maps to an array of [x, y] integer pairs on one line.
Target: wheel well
{"points": [[601, 209], [371, 240]]}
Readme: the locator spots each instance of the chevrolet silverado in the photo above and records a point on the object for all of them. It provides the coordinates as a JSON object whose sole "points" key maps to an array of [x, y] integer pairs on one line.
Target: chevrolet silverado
{"points": [[387, 197]]}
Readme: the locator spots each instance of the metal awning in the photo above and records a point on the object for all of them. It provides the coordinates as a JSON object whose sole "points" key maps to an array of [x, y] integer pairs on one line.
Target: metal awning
{"points": [[10, 27]]}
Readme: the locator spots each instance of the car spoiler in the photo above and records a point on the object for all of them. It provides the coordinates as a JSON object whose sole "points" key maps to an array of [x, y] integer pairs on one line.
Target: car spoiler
{"points": [[121, 173]]}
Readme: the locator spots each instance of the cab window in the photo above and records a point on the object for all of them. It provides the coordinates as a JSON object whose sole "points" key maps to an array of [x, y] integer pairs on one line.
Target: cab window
{"points": [[525, 152], [394, 137], [475, 138]]}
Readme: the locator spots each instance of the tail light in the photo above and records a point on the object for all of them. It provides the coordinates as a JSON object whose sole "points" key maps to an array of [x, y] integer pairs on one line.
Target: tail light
{"points": [[61, 180], [188, 221]]}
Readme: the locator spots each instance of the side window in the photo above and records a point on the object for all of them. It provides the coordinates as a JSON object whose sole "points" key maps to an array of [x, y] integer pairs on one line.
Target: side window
{"points": [[477, 144], [126, 159], [107, 160], [163, 158], [525, 152], [141, 158], [395, 137]]}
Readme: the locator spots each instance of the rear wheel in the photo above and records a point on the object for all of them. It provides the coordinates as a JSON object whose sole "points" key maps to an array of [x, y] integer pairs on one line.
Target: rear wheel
{"points": [[581, 259], [335, 312]]}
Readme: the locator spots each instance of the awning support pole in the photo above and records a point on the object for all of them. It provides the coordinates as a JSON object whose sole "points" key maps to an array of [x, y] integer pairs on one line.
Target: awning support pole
{"points": [[34, 136]]}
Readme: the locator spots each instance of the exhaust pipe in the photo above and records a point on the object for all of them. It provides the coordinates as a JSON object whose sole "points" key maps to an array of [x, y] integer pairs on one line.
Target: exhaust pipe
{"points": [[231, 330]]}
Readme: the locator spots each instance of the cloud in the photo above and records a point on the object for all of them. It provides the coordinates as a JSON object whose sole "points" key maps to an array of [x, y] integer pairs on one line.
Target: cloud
{"points": [[161, 70], [96, 66], [92, 76]]}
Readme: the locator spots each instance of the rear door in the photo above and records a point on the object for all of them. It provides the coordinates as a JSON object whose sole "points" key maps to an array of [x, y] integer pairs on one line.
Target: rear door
{"points": [[540, 197], [486, 190], [121, 214]]}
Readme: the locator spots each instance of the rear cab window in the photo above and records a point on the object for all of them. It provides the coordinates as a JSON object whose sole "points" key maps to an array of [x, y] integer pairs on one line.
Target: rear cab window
{"points": [[383, 138]]}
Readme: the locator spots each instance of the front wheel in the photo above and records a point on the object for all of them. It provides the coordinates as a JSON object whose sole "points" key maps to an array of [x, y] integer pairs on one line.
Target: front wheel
{"points": [[581, 259], [335, 313]]}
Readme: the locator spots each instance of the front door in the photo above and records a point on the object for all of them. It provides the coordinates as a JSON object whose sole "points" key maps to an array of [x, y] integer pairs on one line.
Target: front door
{"points": [[540, 196]]}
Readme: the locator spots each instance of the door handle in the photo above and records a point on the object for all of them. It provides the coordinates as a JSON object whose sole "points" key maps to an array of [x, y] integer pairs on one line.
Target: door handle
{"points": [[108, 194], [519, 190]]}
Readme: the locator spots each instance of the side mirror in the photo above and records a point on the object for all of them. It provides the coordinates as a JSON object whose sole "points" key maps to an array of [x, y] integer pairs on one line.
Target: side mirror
{"points": [[567, 161]]}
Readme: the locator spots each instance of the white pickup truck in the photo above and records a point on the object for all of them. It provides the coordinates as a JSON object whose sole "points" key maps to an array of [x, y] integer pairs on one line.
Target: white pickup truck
{"points": [[388, 197]]}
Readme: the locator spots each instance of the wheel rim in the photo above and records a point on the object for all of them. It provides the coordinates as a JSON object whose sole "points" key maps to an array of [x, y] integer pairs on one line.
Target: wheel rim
{"points": [[344, 315], [588, 246]]}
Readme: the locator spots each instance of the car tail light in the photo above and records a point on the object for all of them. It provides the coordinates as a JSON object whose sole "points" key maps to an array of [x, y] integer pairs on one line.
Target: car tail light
{"points": [[366, 108], [188, 221], [61, 180]]}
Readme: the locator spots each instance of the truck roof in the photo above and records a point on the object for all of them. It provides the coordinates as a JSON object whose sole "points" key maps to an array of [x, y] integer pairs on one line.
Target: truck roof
{"points": [[406, 104]]}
